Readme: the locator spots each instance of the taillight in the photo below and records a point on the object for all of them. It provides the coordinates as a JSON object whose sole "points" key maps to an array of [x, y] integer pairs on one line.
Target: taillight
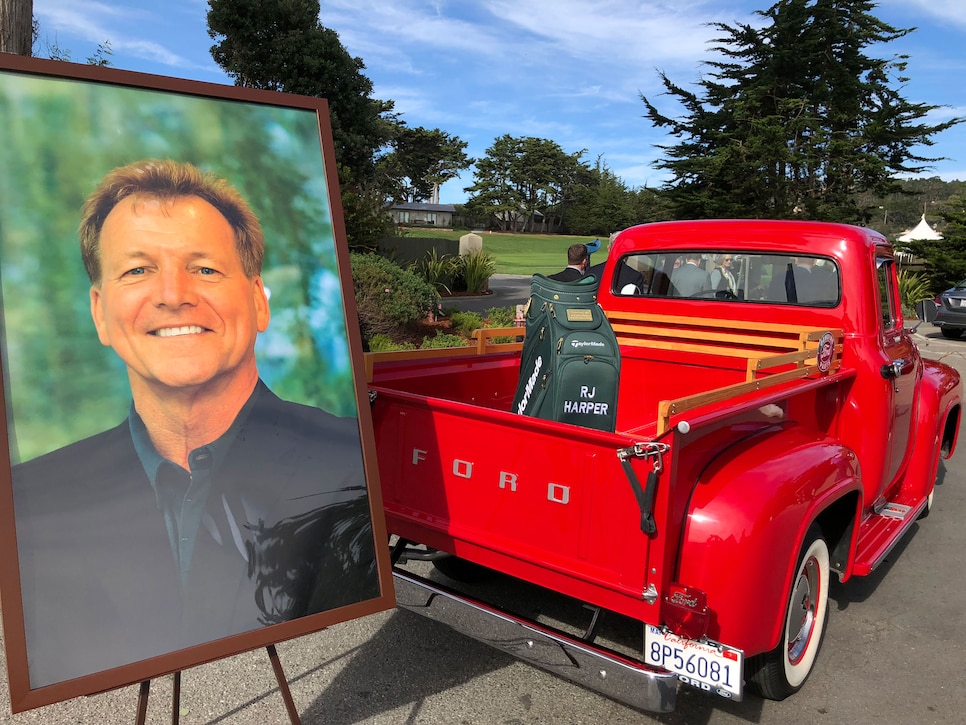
{"points": [[686, 611]]}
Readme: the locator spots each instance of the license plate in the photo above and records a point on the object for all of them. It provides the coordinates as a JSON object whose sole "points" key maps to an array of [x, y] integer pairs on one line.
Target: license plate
{"points": [[706, 665]]}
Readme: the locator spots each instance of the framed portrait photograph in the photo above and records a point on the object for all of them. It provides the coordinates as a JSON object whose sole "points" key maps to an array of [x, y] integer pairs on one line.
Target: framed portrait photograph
{"points": [[187, 467]]}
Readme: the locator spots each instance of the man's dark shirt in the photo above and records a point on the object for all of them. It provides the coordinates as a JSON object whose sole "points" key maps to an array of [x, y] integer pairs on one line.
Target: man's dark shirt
{"points": [[285, 532], [183, 495]]}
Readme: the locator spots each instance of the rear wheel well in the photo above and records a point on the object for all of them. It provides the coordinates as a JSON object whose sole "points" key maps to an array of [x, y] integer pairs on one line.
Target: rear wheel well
{"points": [[837, 522], [949, 433]]}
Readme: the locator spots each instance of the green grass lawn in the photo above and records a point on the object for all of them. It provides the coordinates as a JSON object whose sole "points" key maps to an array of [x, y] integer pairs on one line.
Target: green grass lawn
{"points": [[520, 253]]}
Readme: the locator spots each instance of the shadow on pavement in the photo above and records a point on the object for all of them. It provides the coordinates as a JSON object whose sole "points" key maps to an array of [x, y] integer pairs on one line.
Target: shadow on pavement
{"points": [[400, 666]]}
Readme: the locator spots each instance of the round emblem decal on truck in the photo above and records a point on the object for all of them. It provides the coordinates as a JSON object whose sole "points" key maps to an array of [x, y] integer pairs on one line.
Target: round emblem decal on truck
{"points": [[826, 351]]}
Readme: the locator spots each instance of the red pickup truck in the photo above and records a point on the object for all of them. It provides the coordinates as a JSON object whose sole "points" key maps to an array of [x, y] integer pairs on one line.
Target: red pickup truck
{"points": [[775, 425]]}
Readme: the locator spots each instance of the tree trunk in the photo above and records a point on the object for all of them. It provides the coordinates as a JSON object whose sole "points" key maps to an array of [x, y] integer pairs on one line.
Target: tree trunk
{"points": [[16, 26]]}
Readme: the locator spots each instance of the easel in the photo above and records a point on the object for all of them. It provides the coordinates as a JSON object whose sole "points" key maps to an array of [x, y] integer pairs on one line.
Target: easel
{"points": [[145, 689]]}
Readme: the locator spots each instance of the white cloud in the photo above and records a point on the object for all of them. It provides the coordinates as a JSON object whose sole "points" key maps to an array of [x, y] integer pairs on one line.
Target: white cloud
{"points": [[127, 27], [617, 29], [949, 11]]}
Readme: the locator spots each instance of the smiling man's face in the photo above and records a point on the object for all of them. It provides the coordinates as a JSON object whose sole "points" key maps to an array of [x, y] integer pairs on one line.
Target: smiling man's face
{"points": [[174, 301]]}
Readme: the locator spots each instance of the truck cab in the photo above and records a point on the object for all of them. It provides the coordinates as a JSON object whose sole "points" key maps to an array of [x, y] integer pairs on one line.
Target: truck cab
{"points": [[835, 275]]}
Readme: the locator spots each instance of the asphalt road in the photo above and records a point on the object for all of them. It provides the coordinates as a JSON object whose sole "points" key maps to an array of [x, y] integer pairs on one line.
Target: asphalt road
{"points": [[893, 655], [505, 290]]}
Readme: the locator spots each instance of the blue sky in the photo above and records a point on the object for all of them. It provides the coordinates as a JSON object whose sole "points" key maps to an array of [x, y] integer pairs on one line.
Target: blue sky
{"points": [[566, 70]]}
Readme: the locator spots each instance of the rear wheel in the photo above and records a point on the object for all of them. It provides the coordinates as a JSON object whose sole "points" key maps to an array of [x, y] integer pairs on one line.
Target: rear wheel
{"points": [[953, 333], [783, 671], [931, 496]]}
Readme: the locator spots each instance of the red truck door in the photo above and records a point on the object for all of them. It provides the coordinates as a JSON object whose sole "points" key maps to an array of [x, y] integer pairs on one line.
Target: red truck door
{"points": [[899, 372]]}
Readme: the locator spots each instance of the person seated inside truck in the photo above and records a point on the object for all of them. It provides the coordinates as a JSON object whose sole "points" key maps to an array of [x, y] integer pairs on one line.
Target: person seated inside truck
{"points": [[826, 281], [781, 287], [578, 260], [814, 282], [690, 279], [627, 280], [722, 277], [804, 280]]}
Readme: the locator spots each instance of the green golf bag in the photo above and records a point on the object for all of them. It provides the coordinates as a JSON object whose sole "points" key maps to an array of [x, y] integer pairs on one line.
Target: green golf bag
{"points": [[570, 363]]}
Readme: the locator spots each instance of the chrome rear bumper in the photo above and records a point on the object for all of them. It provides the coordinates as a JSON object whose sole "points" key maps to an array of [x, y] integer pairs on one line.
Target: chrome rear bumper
{"points": [[595, 668]]}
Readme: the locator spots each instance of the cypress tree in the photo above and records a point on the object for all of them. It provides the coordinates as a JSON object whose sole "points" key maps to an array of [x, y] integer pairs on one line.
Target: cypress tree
{"points": [[795, 118]]}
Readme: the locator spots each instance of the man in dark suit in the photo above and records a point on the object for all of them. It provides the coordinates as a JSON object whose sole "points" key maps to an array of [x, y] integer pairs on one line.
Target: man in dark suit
{"points": [[626, 281], [805, 281], [215, 508], [578, 259]]}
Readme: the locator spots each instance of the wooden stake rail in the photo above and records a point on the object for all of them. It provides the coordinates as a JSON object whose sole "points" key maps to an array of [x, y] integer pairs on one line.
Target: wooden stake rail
{"points": [[733, 338], [668, 408], [773, 353]]}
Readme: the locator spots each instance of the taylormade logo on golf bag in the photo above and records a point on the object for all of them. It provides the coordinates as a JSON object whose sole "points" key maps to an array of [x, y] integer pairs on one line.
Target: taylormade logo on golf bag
{"points": [[528, 391], [587, 343]]}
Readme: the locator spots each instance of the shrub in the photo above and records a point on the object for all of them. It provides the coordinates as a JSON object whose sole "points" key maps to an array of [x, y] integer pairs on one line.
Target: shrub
{"points": [[913, 288], [501, 316], [383, 343], [475, 270], [463, 323], [438, 270], [444, 340], [388, 297]]}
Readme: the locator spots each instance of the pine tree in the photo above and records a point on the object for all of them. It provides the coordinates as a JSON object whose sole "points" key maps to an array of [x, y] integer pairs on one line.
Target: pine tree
{"points": [[280, 45], [421, 161], [524, 183], [795, 118]]}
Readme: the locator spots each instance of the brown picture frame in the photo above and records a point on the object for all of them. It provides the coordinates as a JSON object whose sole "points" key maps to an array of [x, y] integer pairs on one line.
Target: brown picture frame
{"points": [[112, 92]]}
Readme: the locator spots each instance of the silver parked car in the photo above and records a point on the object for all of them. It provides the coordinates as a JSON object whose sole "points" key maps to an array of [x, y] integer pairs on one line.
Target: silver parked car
{"points": [[951, 311]]}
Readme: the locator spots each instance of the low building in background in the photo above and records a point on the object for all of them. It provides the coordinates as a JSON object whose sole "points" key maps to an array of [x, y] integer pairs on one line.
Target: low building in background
{"points": [[423, 215]]}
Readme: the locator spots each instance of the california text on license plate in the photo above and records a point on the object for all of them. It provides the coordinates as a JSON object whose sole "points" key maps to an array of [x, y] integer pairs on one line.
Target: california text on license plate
{"points": [[705, 665]]}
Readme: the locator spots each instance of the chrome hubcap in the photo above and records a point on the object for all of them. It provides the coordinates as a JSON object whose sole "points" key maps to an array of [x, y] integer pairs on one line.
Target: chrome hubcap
{"points": [[801, 618]]}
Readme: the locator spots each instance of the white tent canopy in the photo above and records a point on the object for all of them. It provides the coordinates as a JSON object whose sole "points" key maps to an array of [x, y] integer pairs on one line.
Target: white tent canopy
{"points": [[922, 232]]}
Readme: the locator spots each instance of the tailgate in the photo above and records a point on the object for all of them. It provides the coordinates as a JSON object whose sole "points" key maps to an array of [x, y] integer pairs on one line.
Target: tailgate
{"points": [[539, 500]]}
